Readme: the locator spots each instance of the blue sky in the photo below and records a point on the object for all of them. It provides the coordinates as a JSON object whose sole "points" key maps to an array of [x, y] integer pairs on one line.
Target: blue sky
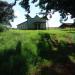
{"points": [[20, 13]]}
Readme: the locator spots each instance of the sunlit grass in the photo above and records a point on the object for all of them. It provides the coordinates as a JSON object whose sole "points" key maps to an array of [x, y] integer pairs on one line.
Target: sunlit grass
{"points": [[30, 38]]}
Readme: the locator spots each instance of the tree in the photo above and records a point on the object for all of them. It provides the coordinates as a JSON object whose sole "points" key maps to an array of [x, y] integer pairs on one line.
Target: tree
{"points": [[25, 4], [6, 12], [63, 6]]}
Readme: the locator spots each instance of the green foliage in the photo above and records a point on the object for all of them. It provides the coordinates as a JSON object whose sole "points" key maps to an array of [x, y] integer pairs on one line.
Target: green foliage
{"points": [[63, 6], [3, 28], [6, 12], [25, 4]]}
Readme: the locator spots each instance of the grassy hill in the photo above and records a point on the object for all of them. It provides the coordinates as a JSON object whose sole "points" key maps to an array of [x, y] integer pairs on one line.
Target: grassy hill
{"points": [[38, 49]]}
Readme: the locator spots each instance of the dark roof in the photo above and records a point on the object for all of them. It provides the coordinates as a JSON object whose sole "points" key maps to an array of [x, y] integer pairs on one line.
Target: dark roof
{"points": [[36, 16], [22, 23], [67, 25], [44, 17], [41, 20]]}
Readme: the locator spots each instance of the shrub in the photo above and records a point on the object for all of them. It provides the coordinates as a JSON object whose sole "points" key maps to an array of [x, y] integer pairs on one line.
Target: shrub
{"points": [[3, 28]]}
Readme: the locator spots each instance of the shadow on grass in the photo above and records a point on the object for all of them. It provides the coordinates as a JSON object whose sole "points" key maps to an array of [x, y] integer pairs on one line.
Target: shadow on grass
{"points": [[12, 62], [47, 71], [58, 52]]}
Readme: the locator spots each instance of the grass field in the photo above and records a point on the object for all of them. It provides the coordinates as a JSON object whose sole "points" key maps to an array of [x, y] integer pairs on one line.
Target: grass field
{"points": [[40, 48], [29, 38]]}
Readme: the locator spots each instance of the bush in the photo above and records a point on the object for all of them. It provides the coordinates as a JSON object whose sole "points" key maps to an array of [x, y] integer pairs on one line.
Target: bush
{"points": [[3, 28]]}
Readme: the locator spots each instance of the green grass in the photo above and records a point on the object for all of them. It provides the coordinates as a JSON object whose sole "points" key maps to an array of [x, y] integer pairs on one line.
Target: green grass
{"points": [[29, 44], [29, 38]]}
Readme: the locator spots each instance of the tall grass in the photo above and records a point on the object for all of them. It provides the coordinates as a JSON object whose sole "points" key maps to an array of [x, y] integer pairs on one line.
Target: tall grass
{"points": [[39, 48]]}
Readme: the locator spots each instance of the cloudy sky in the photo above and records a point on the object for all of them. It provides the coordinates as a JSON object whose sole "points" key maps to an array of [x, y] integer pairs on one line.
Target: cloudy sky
{"points": [[20, 13]]}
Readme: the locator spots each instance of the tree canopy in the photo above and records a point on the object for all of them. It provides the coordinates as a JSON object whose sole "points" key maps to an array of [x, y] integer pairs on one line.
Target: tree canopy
{"points": [[63, 6], [6, 12]]}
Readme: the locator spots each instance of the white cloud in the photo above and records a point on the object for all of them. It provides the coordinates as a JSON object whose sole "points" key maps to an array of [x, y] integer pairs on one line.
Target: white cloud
{"points": [[54, 21], [17, 13]]}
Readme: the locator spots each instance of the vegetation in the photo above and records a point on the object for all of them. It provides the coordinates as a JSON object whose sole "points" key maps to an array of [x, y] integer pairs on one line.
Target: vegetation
{"points": [[63, 6], [6, 12], [37, 52], [3, 28]]}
